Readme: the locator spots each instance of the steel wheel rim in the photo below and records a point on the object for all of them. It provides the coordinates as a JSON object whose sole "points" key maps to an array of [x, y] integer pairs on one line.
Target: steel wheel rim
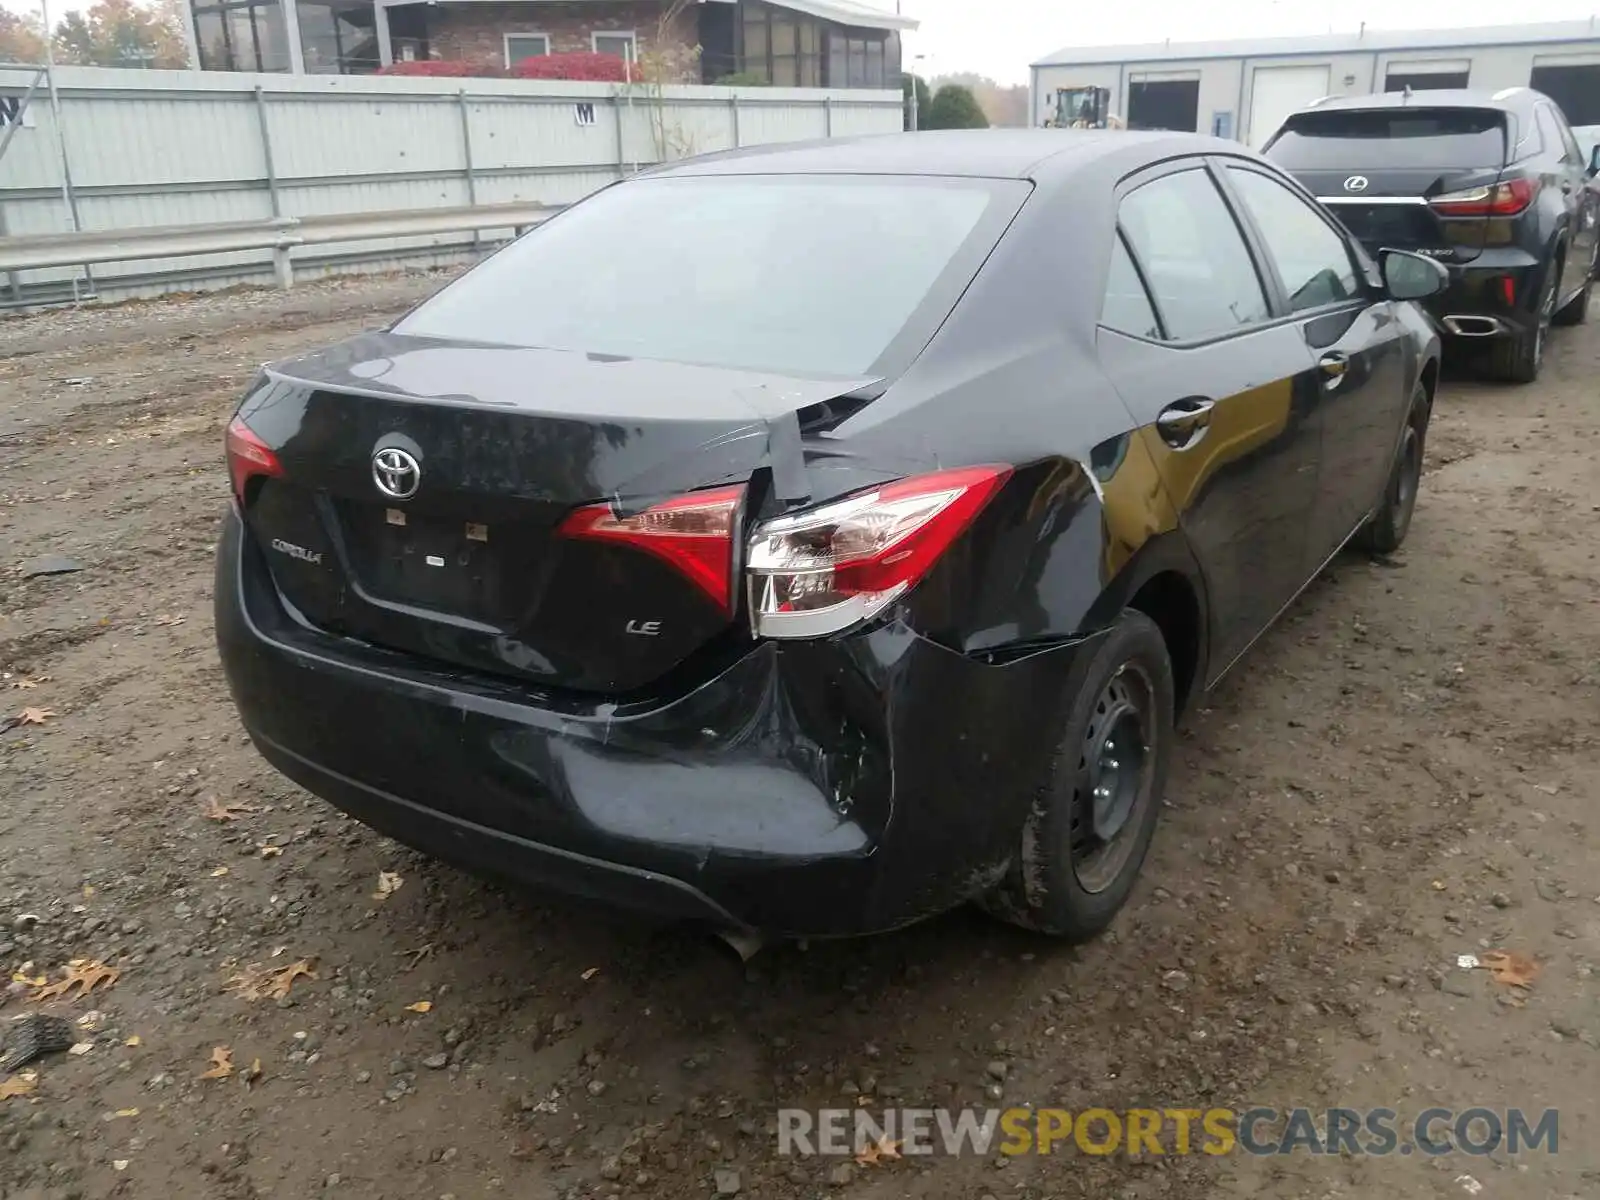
{"points": [[1116, 765]]}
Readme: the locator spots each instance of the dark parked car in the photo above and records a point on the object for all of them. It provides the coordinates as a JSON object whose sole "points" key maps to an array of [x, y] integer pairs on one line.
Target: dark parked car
{"points": [[809, 539], [1492, 186]]}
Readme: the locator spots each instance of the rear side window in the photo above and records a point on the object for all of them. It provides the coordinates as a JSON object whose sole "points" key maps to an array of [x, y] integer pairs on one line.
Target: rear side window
{"points": [[1193, 255], [1313, 261], [1127, 305], [1557, 135], [1402, 138]]}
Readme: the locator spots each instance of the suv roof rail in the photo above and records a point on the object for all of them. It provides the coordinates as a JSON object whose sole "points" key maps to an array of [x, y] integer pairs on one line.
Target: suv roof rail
{"points": [[1507, 93], [1319, 100]]}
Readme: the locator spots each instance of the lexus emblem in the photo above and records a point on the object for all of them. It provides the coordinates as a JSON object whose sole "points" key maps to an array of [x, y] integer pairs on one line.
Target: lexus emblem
{"points": [[1356, 183], [397, 474]]}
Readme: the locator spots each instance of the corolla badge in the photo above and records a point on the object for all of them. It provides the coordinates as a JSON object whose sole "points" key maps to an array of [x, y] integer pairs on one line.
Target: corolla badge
{"points": [[397, 474], [1356, 183]]}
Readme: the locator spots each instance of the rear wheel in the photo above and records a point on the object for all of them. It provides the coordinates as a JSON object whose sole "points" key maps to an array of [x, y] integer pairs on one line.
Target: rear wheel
{"points": [[1088, 833], [1576, 311], [1518, 359], [1390, 524]]}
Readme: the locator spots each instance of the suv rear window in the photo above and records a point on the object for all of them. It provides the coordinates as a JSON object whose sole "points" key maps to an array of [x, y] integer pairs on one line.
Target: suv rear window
{"points": [[1409, 138]]}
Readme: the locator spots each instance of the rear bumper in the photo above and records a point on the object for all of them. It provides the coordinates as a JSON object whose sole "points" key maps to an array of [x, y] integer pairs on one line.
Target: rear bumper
{"points": [[1495, 295], [810, 789]]}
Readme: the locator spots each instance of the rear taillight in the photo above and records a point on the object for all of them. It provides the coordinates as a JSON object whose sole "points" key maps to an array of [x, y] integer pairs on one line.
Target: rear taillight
{"points": [[692, 533], [248, 456], [1497, 200], [818, 572]]}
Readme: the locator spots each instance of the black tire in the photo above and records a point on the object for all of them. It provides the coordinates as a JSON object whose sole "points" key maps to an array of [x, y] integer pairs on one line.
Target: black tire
{"points": [[1068, 881], [1518, 359], [1388, 527], [1576, 311]]}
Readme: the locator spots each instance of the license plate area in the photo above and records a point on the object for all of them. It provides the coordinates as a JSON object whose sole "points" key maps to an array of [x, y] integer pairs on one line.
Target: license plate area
{"points": [[443, 563]]}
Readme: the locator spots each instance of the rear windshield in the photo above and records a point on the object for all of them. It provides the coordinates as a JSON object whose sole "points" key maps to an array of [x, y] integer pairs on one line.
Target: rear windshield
{"points": [[810, 275], [1403, 138]]}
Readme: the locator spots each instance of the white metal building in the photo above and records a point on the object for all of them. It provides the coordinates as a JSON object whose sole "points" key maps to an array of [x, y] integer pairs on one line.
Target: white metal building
{"points": [[1244, 89]]}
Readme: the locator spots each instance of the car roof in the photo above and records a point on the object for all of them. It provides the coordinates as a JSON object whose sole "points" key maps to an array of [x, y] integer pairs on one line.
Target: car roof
{"points": [[1511, 100], [972, 153]]}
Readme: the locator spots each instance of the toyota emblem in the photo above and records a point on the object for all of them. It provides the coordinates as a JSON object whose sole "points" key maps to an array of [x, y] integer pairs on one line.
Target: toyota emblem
{"points": [[1356, 183], [396, 472]]}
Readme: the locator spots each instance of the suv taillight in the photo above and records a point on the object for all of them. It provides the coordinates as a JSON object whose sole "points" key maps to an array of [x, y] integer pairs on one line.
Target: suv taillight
{"points": [[818, 572], [1497, 200]]}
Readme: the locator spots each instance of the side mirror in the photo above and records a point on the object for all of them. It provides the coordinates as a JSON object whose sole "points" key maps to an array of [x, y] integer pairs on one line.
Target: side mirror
{"points": [[1594, 159], [1408, 276]]}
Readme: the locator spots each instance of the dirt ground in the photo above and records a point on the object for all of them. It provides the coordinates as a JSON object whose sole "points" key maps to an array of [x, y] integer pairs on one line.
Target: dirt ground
{"points": [[1402, 773]]}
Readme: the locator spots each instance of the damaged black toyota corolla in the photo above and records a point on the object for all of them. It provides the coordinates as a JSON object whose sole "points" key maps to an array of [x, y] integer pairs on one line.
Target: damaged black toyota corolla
{"points": [[808, 539]]}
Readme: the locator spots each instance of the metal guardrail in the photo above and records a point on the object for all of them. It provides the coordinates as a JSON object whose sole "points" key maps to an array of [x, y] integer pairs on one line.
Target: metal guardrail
{"points": [[278, 234]]}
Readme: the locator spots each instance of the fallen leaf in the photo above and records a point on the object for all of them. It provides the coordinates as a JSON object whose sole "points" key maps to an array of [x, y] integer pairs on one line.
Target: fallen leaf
{"points": [[28, 684], [37, 981], [126, 1112], [254, 1073], [883, 1150], [133, 1041], [217, 811], [591, 973], [1438, 885], [80, 1048], [219, 872], [35, 716], [169, 620], [119, 1164], [268, 850], [21, 1085], [221, 1064], [1510, 968], [421, 1006], [80, 973], [260, 983], [389, 882]]}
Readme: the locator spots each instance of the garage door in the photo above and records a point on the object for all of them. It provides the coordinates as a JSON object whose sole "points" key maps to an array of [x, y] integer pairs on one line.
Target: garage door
{"points": [[1575, 88], [1275, 92], [1164, 104]]}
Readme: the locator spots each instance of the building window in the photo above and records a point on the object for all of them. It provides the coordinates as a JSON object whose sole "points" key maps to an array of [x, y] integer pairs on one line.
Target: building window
{"points": [[782, 47], [1426, 76], [526, 45], [860, 59], [337, 37], [242, 35], [619, 45]]}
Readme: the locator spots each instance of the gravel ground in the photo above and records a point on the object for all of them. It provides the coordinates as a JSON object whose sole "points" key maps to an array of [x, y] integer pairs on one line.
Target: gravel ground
{"points": [[1401, 773]]}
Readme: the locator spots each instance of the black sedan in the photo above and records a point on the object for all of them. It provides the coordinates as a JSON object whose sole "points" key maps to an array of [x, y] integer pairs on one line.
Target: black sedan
{"points": [[806, 540]]}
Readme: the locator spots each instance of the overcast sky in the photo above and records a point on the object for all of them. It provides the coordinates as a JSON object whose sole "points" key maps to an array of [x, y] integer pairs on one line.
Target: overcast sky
{"points": [[999, 38]]}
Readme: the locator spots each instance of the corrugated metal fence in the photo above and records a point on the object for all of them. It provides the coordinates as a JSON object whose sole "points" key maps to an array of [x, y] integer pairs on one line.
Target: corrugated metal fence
{"points": [[155, 148]]}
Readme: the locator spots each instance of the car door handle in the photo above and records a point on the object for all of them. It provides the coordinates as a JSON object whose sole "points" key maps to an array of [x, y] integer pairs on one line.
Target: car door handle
{"points": [[1333, 366], [1184, 422]]}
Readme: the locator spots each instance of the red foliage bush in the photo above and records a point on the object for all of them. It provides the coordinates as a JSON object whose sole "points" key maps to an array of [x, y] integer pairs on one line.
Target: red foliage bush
{"points": [[596, 68], [437, 68]]}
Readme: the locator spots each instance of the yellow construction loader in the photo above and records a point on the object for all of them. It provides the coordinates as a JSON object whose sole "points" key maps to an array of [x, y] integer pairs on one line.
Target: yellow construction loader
{"points": [[1084, 108]]}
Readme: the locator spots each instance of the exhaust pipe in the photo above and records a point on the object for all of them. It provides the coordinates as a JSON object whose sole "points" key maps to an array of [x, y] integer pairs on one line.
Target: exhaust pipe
{"points": [[1474, 326], [745, 945]]}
